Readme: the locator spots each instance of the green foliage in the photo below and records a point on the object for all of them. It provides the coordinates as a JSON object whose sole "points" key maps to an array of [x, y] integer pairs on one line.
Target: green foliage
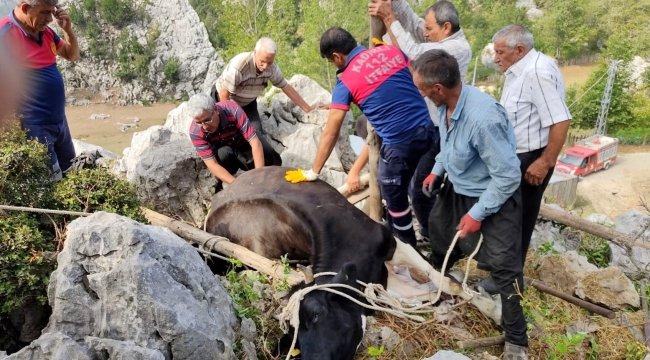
{"points": [[563, 345], [133, 57], [373, 351], [171, 69], [24, 271], [634, 136], [547, 248], [636, 351], [241, 290], [118, 13], [92, 190], [595, 249], [24, 169]]}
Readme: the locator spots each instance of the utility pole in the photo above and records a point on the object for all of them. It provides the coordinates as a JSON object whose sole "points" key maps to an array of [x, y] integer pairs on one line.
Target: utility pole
{"points": [[601, 122], [474, 76]]}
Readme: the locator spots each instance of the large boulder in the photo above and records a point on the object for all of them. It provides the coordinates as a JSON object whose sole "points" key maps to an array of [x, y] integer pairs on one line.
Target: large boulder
{"points": [[564, 270], [174, 181], [181, 36], [636, 261], [609, 287], [295, 135], [123, 290]]}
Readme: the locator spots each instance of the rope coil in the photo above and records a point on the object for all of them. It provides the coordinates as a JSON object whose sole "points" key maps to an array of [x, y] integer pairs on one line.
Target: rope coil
{"points": [[377, 297]]}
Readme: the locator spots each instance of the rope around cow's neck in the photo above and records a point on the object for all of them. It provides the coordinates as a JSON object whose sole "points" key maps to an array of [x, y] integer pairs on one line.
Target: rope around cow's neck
{"points": [[377, 297]]}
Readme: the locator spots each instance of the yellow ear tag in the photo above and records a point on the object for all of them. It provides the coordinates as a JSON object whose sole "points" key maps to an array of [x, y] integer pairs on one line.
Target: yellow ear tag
{"points": [[295, 352]]}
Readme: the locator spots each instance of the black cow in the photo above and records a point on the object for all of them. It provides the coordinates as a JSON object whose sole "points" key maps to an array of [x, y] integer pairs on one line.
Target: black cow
{"points": [[272, 217], [312, 220]]}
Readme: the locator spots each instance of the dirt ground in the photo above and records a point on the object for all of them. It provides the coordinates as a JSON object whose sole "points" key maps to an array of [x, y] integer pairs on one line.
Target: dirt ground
{"points": [[618, 189], [577, 74], [106, 133]]}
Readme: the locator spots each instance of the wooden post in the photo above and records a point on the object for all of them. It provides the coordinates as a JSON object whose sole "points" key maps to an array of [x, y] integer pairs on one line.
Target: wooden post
{"points": [[224, 246], [645, 137], [377, 30], [579, 223]]}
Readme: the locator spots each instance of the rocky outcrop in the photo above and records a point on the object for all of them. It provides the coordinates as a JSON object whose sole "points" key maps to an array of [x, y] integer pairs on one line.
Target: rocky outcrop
{"points": [[181, 36], [609, 287], [123, 290], [636, 261], [295, 135], [564, 270]]}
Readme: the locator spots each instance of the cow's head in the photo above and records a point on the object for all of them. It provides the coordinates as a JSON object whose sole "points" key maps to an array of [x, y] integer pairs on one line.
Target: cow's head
{"points": [[331, 326]]}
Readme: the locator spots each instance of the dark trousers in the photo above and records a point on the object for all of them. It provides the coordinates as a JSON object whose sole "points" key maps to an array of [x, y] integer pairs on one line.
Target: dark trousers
{"points": [[531, 199], [501, 250], [254, 117], [234, 158], [421, 203], [397, 164], [59, 144]]}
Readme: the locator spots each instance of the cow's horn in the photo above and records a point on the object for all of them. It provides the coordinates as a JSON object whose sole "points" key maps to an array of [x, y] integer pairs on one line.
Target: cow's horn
{"points": [[309, 274]]}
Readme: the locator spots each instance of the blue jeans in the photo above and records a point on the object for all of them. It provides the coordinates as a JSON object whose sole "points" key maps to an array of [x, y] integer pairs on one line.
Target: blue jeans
{"points": [[59, 144], [397, 164]]}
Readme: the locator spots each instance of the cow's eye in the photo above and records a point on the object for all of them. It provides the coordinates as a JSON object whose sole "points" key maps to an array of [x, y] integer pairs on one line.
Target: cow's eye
{"points": [[317, 315]]}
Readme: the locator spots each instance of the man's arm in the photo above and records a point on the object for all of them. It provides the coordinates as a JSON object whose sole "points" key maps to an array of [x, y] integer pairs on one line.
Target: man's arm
{"points": [[497, 151], [538, 170], [219, 171], [258, 152], [297, 99], [412, 22], [70, 48], [353, 176], [224, 94], [328, 138]]}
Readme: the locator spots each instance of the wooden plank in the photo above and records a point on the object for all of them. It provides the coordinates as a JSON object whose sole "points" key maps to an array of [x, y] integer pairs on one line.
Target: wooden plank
{"points": [[223, 246]]}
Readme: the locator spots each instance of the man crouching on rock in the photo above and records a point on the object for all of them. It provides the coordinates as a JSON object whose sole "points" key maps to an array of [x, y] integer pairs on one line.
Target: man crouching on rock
{"points": [[225, 139]]}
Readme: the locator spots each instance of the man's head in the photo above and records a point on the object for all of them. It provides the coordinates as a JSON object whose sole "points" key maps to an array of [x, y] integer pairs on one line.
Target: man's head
{"points": [[436, 74], [264, 53], [511, 44], [335, 45], [441, 20], [36, 14], [200, 108]]}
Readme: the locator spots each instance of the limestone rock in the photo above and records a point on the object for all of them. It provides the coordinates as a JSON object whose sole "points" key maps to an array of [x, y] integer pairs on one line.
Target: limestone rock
{"points": [[546, 233], [181, 36], [609, 287], [636, 262], [600, 219], [81, 146], [175, 181], [295, 135], [99, 116], [634, 223], [130, 291], [563, 271]]}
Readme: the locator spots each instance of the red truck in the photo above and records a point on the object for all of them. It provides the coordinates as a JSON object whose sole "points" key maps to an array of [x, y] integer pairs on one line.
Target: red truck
{"points": [[586, 156]]}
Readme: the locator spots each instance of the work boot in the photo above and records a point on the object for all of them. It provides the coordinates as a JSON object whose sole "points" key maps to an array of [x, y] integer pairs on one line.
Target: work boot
{"points": [[489, 286], [514, 352]]}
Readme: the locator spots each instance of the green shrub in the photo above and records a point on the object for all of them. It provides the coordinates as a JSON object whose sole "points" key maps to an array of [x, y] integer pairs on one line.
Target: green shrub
{"points": [[24, 271], [118, 13], [91, 190], [24, 169], [633, 137], [171, 69]]}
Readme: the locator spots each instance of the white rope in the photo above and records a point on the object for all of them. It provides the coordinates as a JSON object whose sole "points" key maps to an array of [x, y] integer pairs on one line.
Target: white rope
{"points": [[375, 294], [44, 211]]}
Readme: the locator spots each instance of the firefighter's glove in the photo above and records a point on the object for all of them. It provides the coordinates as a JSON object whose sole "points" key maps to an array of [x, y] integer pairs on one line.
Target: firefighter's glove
{"points": [[468, 226], [431, 185], [300, 175]]}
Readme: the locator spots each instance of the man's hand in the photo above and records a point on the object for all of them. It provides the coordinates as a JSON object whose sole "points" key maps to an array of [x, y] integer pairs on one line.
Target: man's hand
{"points": [[317, 106], [431, 185], [536, 172], [300, 175], [468, 226], [63, 19], [353, 182], [381, 9]]}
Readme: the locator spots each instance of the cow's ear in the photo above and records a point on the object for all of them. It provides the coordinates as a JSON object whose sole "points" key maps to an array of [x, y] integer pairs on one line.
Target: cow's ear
{"points": [[347, 275]]}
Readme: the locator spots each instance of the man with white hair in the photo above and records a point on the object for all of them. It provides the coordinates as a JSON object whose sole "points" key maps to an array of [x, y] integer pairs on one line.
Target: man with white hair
{"points": [[534, 98], [246, 75], [225, 139], [42, 107]]}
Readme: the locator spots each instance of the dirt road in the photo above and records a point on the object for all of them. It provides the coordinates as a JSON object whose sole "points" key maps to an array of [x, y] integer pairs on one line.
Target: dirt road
{"points": [[617, 190], [106, 133]]}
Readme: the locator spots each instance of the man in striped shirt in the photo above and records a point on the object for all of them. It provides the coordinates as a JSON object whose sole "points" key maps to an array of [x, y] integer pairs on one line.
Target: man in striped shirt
{"points": [[246, 75], [481, 193], [225, 139], [440, 29], [533, 96]]}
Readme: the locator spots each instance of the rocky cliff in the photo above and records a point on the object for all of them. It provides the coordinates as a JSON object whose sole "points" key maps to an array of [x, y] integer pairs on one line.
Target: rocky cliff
{"points": [[146, 51]]}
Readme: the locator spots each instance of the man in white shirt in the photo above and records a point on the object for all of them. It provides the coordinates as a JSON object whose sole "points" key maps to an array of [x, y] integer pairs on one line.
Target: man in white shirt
{"points": [[439, 29], [534, 98]]}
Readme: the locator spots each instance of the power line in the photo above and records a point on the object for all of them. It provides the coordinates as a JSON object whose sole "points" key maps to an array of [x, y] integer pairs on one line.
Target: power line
{"points": [[586, 91]]}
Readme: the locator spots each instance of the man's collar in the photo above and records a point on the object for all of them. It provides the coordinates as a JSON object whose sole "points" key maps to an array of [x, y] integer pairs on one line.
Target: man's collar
{"points": [[351, 55], [457, 35], [518, 67], [13, 20]]}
